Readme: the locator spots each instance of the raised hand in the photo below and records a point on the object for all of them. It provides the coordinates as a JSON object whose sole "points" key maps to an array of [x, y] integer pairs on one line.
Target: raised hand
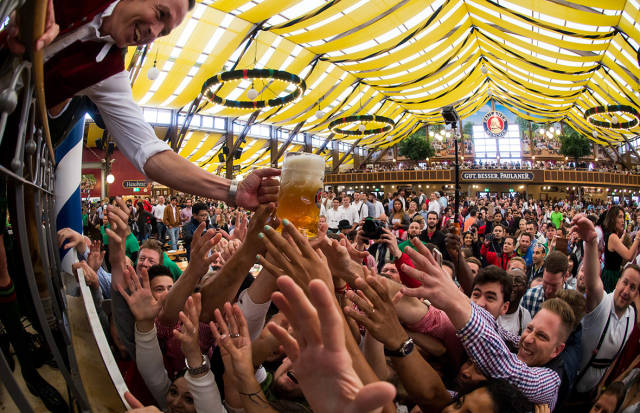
{"points": [[90, 276], [339, 261], [355, 255], [583, 226], [257, 188], [240, 231], [201, 245], [232, 336], [293, 256], [96, 256], [452, 244], [391, 241], [142, 304], [377, 314], [72, 238], [318, 353], [437, 286], [188, 333], [119, 229]]}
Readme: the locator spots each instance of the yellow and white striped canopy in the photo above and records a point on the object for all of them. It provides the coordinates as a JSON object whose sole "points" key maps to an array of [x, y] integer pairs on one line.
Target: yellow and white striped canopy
{"points": [[548, 60]]}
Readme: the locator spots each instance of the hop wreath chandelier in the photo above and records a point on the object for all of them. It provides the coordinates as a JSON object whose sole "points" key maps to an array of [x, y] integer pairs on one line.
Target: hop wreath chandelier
{"points": [[218, 80], [591, 114], [338, 125]]}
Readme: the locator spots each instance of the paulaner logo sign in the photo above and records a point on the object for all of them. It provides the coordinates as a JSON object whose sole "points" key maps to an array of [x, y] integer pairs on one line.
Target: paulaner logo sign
{"points": [[497, 176], [495, 124]]}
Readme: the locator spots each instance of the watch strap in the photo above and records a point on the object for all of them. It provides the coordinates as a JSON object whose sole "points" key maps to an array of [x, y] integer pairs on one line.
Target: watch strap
{"points": [[405, 349], [233, 191], [195, 371]]}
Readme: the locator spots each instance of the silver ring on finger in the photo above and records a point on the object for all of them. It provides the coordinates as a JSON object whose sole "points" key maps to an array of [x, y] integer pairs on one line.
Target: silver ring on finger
{"points": [[236, 335]]}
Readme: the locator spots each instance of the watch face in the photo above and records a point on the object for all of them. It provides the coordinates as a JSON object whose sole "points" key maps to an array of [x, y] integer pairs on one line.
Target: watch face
{"points": [[407, 348]]}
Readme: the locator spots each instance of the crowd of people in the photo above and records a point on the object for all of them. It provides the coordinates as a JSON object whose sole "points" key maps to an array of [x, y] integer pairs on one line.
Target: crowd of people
{"points": [[398, 304], [517, 305], [404, 165]]}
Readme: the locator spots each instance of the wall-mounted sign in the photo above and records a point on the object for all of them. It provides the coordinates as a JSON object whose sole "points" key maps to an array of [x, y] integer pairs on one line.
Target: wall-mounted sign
{"points": [[495, 124], [134, 183], [497, 176]]}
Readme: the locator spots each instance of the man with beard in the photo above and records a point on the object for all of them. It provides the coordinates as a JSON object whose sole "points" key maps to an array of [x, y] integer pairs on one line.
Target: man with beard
{"points": [[610, 317], [517, 317], [431, 234]]}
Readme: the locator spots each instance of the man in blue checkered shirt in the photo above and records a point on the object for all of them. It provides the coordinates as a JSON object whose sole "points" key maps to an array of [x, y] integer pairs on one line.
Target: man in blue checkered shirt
{"points": [[556, 267], [536, 370]]}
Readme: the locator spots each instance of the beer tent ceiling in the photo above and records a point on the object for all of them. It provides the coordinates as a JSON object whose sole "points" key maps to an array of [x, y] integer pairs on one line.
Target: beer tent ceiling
{"points": [[403, 59]]}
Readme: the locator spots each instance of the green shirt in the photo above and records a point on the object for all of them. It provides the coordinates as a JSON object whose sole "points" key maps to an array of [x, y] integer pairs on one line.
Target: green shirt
{"points": [[556, 219], [403, 244], [130, 245], [176, 272]]}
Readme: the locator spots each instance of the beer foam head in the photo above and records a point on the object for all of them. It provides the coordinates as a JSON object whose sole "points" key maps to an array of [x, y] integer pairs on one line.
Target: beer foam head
{"points": [[313, 164]]}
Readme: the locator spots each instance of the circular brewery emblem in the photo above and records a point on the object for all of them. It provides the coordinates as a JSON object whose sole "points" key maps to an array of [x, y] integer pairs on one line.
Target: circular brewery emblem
{"points": [[495, 124]]}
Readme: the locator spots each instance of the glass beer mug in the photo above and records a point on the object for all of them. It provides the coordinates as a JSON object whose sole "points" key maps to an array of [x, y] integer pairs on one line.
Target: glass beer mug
{"points": [[300, 187]]}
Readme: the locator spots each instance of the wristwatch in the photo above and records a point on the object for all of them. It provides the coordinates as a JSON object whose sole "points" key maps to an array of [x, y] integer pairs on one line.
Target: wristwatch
{"points": [[195, 371], [405, 349], [233, 190]]}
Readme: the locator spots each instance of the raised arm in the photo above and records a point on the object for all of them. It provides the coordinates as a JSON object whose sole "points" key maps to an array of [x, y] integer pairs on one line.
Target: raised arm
{"points": [[201, 259], [322, 363], [117, 233], [224, 286], [463, 272], [378, 315], [590, 261], [616, 244]]}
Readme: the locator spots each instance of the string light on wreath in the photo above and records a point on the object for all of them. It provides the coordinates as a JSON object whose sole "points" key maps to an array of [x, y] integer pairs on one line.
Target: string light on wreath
{"points": [[337, 125], [612, 110], [251, 74]]}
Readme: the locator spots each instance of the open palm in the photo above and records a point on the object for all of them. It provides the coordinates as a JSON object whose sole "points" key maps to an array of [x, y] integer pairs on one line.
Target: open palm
{"points": [[321, 361]]}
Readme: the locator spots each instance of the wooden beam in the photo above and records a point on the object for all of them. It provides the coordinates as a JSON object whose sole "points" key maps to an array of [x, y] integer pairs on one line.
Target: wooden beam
{"points": [[292, 135], [630, 146], [615, 151], [382, 153], [308, 142], [324, 144], [229, 145], [344, 157], [244, 132], [335, 154]]}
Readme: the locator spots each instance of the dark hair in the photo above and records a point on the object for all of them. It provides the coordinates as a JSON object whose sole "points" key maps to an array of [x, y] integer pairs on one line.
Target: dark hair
{"points": [[432, 213], [618, 390], [474, 260], [527, 234], [197, 207], [556, 262], [505, 396], [512, 238], [493, 273], [609, 224], [158, 270]]}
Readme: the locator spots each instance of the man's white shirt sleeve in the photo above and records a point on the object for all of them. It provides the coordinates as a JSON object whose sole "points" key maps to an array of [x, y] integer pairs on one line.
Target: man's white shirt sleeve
{"points": [[124, 120]]}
